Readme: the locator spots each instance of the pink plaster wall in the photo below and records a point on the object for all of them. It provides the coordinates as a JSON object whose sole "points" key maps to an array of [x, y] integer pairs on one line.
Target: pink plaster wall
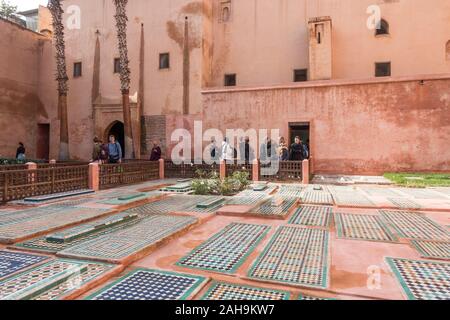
{"points": [[366, 127], [265, 40], [21, 109]]}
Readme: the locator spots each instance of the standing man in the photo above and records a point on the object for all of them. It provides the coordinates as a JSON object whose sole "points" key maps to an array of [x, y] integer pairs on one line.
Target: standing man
{"points": [[297, 150], [115, 150], [214, 150], [20, 152], [227, 151], [156, 152]]}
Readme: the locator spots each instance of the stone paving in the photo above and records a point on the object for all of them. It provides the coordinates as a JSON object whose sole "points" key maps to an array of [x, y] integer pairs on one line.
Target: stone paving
{"points": [[354, 241]]}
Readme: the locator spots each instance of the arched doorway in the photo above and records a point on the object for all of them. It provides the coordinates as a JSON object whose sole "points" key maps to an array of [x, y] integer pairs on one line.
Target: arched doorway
{"points": [[117, 129]]}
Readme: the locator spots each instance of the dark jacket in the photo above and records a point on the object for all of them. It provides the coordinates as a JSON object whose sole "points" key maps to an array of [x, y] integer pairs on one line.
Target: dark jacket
{"points": [[297, 152], [20, 150], [156, 154]]}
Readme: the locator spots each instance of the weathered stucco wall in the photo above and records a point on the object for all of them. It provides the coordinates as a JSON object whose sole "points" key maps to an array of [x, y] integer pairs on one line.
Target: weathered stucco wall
{"points": [[265, 40], [367, 127], [21, 109]]}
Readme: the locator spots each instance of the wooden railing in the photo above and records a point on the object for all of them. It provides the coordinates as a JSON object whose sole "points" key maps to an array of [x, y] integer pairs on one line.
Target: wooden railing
{"points": [[11, 167], [114, 175], [61, 164], [187, 170], [287, 171], [243, 167], [20, 184]]}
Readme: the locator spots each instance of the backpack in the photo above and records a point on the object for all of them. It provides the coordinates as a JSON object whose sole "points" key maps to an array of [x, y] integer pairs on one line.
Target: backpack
{"points": [[104, 152]]}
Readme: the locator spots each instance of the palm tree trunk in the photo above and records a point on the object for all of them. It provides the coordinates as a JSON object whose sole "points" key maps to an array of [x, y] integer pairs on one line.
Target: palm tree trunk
{"points": [[56, 10], [121, 25]]}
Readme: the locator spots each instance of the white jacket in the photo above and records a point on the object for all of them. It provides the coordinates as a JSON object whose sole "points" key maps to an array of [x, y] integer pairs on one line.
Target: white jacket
{"points": [[227, 151]]}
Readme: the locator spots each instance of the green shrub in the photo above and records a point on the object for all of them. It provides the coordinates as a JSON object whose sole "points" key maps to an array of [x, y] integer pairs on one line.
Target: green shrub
{"points": [[211, 184]]}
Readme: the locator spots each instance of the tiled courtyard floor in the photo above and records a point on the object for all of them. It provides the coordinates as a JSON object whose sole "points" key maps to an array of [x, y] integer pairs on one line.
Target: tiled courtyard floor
{"points": [[135, 242]]}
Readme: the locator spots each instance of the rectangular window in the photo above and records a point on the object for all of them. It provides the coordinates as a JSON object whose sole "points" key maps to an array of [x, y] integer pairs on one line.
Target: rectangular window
{"points": [[300, 75], [77, 69], [116, 65], [230, 80], [382, 69], [164, 61]]}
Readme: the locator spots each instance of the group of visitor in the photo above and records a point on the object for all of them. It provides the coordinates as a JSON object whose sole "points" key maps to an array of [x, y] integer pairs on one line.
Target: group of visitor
{"points": [[111, 152], [269, 150]]}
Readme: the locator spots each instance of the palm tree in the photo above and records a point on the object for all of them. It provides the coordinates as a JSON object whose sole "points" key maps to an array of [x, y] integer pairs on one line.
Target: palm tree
{"points": [[121, 25], [56, 10]]}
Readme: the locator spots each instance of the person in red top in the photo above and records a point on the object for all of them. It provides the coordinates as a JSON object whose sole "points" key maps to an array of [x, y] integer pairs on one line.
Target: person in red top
{"points": [[156, 152]]}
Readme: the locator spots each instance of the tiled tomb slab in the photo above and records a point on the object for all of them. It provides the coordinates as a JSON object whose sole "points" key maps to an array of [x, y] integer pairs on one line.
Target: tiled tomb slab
{"points": [[227, 291], [14, 216], [146, 284], [72, 234], [12, 262], [294, 191], [127, 245], [175, 203], [296, 256], [60, 195], [129, 198], [422, 279], [37, 225], [316, 197], [413, 225], [248, 200], [56, 279], [379, 192], [426, 194], [403, 203], [350, 197], [362, 227], [315, 216], [432, 249], [85, 233], [226, 250]]}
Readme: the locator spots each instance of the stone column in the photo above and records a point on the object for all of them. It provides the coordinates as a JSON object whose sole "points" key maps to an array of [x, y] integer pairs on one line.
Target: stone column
{"points": [[305, 171], [161, 168], [255, 169], [223, 169], [94, 176]]}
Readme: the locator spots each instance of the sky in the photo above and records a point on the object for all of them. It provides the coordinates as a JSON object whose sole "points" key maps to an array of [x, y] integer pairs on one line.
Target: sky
{"points": [[23, 5]]}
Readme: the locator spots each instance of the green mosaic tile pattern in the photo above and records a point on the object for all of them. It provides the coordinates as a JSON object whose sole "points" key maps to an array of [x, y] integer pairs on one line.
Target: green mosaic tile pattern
{"points": [[379, 192], [432, 249], [316, 216], [226, 291], [227, 250], [425, 194], [316, 197], [175, 203], [247, 200], [422, 280], [132, 197], [412, 225], [403, 203], [56, 196], [51, 280], [146, 284], [362, 227], [47, 221], [41, 244], [293, 191], [352, 199], [296, 256], [311, 298], [123, 243], [15, 216], [268, 208]]}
